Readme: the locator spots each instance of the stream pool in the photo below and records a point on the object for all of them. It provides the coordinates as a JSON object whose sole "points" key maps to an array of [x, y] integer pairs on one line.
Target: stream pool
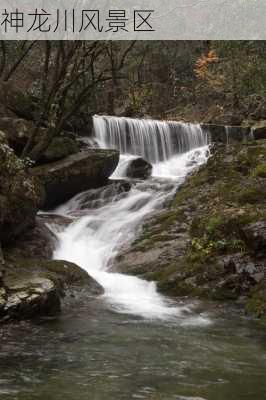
{"points": [[94, 353]]}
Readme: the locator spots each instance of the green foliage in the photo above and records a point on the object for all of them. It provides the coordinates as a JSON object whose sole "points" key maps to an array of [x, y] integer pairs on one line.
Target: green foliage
{"points": [[206, 246], [260, 171]]}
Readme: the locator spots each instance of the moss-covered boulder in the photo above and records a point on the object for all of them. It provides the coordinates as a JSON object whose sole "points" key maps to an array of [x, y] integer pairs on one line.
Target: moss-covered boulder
{"points": [[33, 288], [60, 147], [82, 171], [19, 130], [20, 195]]}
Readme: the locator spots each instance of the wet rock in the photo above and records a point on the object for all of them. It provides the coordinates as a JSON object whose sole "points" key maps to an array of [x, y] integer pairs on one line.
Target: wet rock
{"points": [[259, 130], [95, 198], [30, 298], [139, 169], [255, 236], [34, 288], [79, 172]]}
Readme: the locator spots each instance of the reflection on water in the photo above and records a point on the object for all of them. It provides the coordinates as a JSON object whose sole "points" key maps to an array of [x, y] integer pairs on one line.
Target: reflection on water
{"points": [[93, 353]]}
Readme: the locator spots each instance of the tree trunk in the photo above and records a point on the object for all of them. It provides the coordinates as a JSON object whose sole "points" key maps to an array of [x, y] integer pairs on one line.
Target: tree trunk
{"points": [[43, 144], [2, 261]]}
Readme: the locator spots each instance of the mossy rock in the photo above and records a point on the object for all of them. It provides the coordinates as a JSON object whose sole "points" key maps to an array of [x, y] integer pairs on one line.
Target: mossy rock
{"points": [[260, 171], [59, 148], [85, 170], [33, 288], [256, 304]]}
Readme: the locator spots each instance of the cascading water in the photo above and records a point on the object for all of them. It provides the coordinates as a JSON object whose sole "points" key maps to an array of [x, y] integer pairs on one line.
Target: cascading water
{"points": [[155, 141], [104, 221]]}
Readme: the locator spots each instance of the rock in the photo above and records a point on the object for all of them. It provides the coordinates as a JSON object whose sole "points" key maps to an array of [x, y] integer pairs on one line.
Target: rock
{"points": [[35, 288], [82, 171], [259, 130], [256, 303], [17, 131], [139, 169], [59, 148], [30, 298], [255, 236], [38, 242], [95, 198], [21, 195]]}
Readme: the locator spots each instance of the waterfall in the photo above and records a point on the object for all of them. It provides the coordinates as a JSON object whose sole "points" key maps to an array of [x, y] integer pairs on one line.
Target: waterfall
{"points": [[106, 219], [155, 141]]}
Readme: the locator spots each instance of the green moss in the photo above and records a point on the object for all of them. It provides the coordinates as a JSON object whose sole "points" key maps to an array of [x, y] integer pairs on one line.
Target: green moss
{"points": [[251, 156], [256, 304], [260, 171], [251, 194], [181, 288], [61, 147]]}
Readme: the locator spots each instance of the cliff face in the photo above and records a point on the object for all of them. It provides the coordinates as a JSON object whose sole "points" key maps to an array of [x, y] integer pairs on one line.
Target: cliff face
{"points": [[211, 241]]}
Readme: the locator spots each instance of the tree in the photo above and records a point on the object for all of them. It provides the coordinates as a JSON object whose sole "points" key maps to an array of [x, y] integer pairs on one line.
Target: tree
{"points": [[71, 73]]}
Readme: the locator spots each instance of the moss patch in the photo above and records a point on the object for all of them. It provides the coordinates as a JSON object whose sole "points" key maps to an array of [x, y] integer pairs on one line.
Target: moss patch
{"points": [[256, 304]]}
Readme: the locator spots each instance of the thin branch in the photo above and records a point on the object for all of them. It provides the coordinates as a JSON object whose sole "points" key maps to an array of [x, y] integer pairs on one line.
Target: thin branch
{"points": [[18, 61], [3, 61]]}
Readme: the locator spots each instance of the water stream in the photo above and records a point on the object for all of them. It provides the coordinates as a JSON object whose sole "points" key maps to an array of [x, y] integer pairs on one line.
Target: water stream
{"points": [[95, 237], [132, 343]]}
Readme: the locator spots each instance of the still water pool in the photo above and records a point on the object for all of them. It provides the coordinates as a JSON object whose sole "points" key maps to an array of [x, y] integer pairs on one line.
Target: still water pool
{"points": [[94, 353]]}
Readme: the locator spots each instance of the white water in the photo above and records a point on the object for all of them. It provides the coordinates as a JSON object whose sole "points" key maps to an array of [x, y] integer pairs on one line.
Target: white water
{"points": [[97, 234], [153, 140]]}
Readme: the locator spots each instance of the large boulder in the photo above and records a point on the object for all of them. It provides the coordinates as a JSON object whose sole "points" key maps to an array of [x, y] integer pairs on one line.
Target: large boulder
{"points": [[20, 195], [76, 173], [32, 288], [139, 168], [19, 130], [59, 148]]}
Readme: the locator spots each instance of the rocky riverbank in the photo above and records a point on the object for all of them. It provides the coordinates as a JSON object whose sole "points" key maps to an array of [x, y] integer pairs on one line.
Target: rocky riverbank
{"points": [[30, 284], [211, 241]]}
